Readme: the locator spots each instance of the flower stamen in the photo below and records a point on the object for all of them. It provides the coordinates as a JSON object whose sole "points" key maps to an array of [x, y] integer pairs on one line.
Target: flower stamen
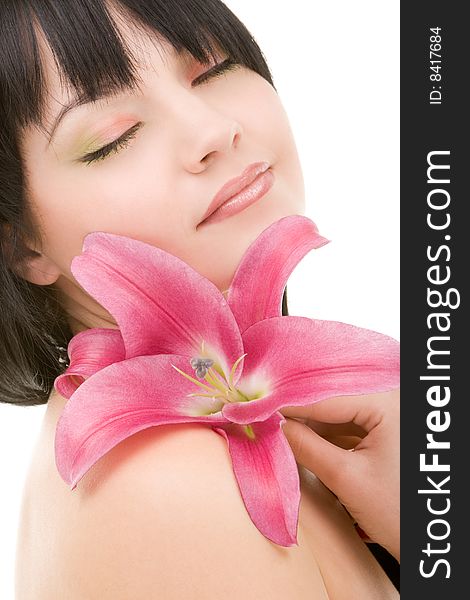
{"points": [[211, 378], [248, 429], [232, 372], [219, 388], [201, 365], [208, 388]]}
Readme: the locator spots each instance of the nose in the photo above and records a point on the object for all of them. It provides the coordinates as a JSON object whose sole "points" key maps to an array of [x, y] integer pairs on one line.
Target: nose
{"points": [[205, 133]]}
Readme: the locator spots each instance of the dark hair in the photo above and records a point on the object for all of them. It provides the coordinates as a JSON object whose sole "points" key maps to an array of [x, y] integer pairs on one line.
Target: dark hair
{"points": [[90, 51]]}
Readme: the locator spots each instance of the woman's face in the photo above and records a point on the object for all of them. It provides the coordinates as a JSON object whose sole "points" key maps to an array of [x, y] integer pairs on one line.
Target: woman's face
{"points": [[188, 139]]}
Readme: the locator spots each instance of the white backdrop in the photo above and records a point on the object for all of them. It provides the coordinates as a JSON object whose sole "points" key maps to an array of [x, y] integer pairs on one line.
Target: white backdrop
{"points": [[336, 67]]}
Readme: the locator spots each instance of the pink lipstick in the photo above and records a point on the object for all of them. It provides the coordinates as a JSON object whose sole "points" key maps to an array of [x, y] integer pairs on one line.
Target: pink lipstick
{"points": [[240, 192]]}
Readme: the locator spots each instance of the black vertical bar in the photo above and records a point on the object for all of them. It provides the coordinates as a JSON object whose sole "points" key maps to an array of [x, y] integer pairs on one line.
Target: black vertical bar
{"points": [[434, 268]]}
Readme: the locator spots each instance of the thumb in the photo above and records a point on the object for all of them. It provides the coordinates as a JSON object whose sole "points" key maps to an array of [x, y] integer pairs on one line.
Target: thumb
{"points": [[315, 453]]}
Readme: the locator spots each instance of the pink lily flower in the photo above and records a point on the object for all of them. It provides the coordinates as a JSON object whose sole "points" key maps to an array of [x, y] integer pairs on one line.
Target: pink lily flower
{"points": [[183, 353]]}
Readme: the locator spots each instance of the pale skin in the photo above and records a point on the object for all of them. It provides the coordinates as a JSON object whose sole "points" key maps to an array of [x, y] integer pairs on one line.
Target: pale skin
{"points": [[189, 141]]}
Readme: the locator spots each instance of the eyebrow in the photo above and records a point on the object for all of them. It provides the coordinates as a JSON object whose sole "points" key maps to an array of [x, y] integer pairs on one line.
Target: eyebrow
{"points": [[75, 103]]}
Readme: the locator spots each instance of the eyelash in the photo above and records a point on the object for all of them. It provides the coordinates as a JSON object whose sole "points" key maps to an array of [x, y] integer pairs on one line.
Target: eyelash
{"points": [[125, 139], [115, 146]]}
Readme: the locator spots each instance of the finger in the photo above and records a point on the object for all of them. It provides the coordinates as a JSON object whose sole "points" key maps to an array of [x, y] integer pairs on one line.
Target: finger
{"points": [[328, 430], [316, 454], [364, 410], [344, 441]]}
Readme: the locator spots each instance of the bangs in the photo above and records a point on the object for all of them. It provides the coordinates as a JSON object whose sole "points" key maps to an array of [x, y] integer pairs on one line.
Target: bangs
{"points": [[91, 54]]}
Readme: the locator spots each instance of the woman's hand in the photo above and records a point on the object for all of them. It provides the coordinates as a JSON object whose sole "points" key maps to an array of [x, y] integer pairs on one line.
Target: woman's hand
{"points": [[352, 444]]}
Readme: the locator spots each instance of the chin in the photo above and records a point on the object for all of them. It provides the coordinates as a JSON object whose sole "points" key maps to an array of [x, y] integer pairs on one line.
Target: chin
{"points": [[234, 234], [274, 209]]}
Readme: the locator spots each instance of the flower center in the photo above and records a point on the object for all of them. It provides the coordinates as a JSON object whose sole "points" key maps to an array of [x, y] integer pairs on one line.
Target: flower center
{"points": [[216, 385]]}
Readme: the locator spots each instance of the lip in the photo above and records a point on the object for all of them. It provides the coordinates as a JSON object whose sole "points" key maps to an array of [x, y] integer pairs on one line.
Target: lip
{"points": [[241, 191]]}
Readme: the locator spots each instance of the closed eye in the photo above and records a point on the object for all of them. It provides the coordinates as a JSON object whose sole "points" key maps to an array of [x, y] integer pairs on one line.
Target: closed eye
{"points": [[219, 69], [115, 146]]}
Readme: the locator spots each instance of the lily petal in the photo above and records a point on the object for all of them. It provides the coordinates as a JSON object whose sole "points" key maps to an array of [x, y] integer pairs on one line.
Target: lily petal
{"points": [[301, 361], [121, 400], [160, 303], [267, 476], [257, 287], [89, 351]]}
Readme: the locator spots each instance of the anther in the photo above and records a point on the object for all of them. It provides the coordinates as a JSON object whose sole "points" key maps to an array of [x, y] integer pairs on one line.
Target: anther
{"points": [[201, 366]]}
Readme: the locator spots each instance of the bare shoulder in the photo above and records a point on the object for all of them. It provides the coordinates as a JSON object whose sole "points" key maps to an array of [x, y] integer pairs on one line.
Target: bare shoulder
{"points": [[162, 516]]}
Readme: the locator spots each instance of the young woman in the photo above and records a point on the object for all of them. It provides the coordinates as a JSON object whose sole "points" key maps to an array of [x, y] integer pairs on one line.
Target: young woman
{"points": [[128, 117]]}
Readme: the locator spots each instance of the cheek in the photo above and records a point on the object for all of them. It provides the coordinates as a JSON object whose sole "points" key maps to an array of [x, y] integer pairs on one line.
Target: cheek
{"points": [[110, 199], [271, 124], [272, 130], [280, 132], [113, 197]]}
